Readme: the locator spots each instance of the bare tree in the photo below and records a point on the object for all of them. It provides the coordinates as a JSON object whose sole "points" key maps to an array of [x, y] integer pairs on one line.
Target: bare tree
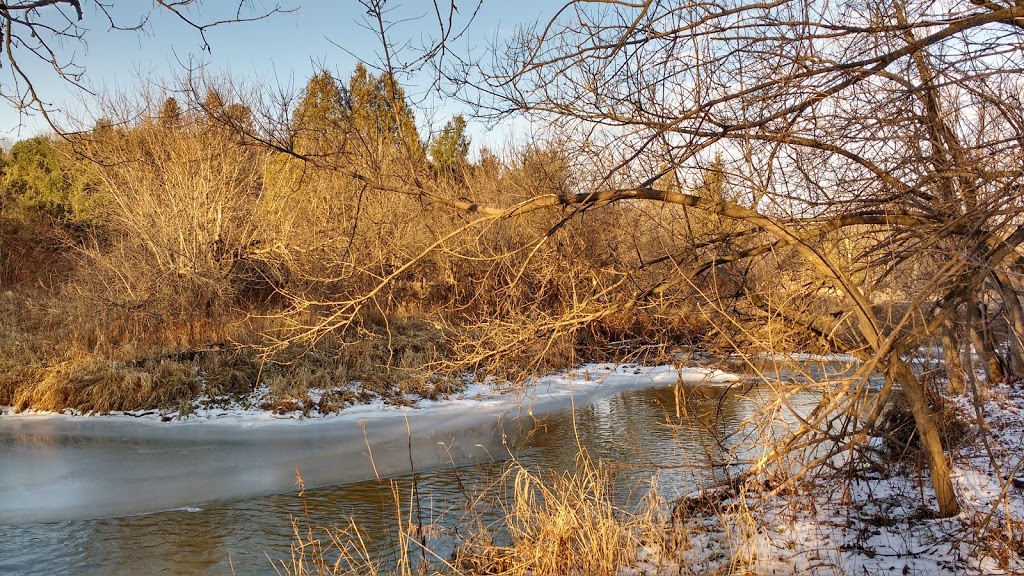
{"points": [[37, 33], [873, 151], [180, 205], [892, 124]]}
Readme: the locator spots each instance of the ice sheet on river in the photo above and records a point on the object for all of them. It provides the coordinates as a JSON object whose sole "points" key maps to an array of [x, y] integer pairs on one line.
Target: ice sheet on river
{"points": [[57, 467]]}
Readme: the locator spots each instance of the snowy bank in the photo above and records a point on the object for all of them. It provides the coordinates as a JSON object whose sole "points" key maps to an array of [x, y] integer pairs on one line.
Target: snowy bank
{"points": [[871, 524], [587, 383]]}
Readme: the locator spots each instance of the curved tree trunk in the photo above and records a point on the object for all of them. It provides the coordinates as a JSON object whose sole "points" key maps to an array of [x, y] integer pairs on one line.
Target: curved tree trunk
{"points": [[928, 433], [1015, 324]]}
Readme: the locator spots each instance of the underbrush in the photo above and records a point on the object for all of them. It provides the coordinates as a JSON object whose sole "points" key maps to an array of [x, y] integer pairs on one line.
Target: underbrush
{"points": [[67, 348], [899, 433], [62, 352]]}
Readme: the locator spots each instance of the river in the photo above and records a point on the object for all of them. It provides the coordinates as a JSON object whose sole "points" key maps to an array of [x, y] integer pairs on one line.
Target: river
{"points": [[94, 496]]}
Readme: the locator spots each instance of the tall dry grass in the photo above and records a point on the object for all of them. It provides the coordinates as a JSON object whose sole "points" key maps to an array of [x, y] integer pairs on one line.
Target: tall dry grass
{"points": [[561, 524], [549, 525], [337, 551]]}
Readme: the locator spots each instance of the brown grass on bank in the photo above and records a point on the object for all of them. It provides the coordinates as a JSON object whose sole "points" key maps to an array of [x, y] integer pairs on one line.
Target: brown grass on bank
{"points": [[92, 385], [64, 349], [54, 356]]}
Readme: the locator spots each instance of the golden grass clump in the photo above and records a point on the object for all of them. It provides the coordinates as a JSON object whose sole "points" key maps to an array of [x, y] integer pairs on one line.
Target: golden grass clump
{"points": [[344, 550], [552, 525], [561, 524], [92, 385], [340, 551], [13, 376], [229, 372]]}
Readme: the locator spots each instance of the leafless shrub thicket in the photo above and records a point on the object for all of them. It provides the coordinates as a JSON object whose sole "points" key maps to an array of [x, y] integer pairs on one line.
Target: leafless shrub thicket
{"points": [[877, 145]]}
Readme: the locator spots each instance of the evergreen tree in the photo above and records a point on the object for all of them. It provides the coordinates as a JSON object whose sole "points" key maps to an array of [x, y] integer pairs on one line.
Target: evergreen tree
{"points": [[451, 147], [238, 115], [320, 118], [103, 127], [170, 113], [213, 104], [382, 119], [714, 182], [40, 182]]}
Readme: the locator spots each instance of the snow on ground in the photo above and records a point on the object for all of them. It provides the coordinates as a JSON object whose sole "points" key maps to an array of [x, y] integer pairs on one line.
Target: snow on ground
{"points": [[805, 357], [589, 382], [871, 525]]}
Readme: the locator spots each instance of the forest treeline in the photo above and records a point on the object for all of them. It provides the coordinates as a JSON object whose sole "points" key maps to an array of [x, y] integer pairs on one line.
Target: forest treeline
{"points": [[170, 253]]}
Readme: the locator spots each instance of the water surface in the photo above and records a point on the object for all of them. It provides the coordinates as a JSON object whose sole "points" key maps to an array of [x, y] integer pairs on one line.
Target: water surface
{"points": [[231, 525]]}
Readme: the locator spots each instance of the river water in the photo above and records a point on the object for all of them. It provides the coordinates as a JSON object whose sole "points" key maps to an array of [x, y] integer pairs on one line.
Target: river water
{"points": [[232, 490]]}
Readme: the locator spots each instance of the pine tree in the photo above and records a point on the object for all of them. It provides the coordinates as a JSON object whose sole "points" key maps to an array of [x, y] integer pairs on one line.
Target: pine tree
{"points": [[382, 119], [41, 182], [451, 147], [170, 113], [319, 121], [213, 104]]}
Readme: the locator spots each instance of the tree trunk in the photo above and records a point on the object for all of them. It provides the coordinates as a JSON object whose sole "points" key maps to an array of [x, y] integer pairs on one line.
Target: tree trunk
{"points": [[928, 433], [1015, 322], [983, 346], [951, 354]]}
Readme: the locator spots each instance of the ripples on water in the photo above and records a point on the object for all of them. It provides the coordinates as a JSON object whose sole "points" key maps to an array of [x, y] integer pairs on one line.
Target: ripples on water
{"points": [[638, 431]]}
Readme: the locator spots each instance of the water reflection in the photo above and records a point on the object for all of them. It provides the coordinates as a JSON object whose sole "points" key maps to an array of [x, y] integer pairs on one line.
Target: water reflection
{"points": [[684, 435]]}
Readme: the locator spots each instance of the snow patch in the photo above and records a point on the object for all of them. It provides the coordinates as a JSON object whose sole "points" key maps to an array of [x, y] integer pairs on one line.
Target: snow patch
{"points": [[587, 382], [873, 524]]}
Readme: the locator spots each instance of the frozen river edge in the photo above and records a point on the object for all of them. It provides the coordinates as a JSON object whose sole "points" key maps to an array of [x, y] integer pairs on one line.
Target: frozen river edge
{"points": [[61, 467]]}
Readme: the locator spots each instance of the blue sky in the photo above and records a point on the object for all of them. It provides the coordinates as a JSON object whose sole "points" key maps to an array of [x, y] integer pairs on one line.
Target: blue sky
{"points": [[284, 49]]}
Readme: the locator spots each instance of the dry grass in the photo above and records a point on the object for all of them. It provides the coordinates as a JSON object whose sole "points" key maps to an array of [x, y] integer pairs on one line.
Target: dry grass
{"points": [[551, 524], [561, 524], [92, 385], [326, 551], [344, 551], [55, 358], [334, 552], [63, 349]]}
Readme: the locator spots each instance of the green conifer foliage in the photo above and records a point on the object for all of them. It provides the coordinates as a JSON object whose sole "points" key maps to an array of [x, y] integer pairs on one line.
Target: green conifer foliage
{"points": [[319, 122], [40, 182], [170, 113], [450, 148], [382, 120]]}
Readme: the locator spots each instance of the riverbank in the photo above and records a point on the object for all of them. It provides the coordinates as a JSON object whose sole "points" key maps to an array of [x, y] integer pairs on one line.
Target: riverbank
{"points": [[871, 519], [256, 407], [871, 522], [846, 522]]}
